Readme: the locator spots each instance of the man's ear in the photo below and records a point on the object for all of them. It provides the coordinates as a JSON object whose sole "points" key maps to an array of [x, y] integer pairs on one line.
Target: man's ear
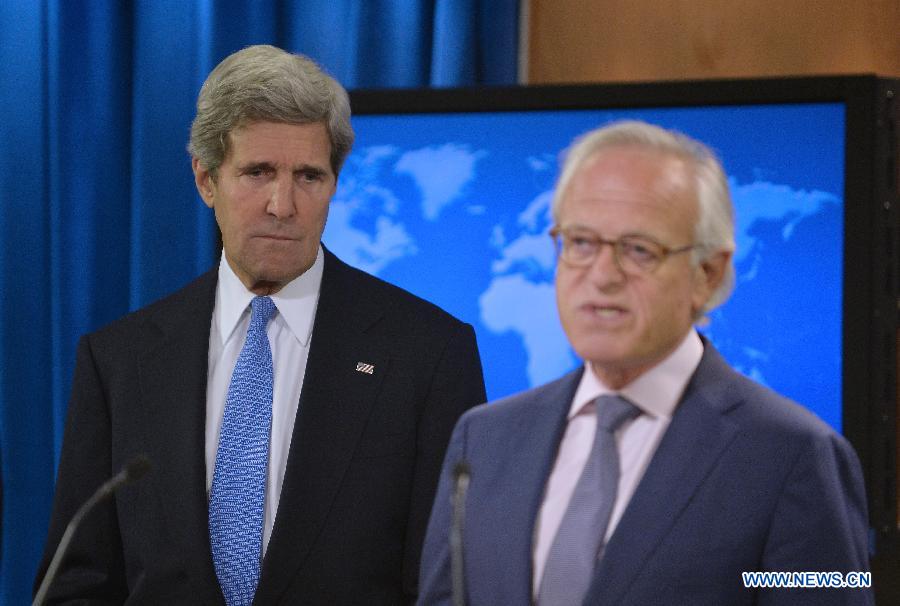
{"points": [[709, 276], [203, 179]]}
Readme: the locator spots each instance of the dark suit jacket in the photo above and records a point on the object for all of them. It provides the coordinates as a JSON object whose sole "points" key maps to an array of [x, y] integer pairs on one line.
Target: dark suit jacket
{"points": [[361, 474], [743, 480]]}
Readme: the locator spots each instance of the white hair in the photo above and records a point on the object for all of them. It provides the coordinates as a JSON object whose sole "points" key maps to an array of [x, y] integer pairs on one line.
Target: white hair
{"points": [[714, 231]]}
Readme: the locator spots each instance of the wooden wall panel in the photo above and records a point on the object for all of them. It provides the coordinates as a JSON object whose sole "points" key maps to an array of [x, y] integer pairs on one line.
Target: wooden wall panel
{"points": [[639, 40], [652, 40]]}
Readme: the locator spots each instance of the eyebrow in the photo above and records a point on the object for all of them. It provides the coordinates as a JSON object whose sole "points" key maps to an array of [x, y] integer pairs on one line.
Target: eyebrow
{"points": [[268, 166], [310, 168], [265, 164], [577, 227], [250, 166]]}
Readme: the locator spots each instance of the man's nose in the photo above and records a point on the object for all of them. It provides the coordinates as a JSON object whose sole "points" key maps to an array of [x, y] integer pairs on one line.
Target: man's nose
{"points": [[281, 202], [606, 269]]}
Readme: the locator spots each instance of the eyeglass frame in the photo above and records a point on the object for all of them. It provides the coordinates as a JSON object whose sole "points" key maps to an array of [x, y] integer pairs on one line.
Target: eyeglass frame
{"points": [[558, 235]]}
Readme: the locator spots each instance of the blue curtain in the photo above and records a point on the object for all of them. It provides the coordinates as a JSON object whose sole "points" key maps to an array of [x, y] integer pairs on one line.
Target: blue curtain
{"points": [[98, 212]]}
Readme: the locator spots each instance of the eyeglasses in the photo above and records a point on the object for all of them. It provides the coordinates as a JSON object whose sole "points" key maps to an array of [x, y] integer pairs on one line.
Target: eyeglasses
{"points": [[632, 254]]}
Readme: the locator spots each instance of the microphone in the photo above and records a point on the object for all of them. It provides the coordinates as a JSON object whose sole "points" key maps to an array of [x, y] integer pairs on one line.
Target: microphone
{"points": [[134, 470], [461, 477]]}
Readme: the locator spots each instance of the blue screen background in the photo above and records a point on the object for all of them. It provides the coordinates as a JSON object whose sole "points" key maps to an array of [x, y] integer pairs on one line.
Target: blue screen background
{"points": [[455, 208]]}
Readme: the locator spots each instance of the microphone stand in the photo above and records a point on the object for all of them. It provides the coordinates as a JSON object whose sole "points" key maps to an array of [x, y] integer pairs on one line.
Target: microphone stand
{"points": [[134, 470]]}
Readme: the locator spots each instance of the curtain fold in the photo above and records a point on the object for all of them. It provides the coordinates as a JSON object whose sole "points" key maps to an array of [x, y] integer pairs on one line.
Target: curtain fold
{"points": [[98, 212]]}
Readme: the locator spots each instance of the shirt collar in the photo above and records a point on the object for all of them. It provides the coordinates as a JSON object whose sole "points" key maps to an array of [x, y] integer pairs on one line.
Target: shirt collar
{"points": [[657, 391], [296, 301]]}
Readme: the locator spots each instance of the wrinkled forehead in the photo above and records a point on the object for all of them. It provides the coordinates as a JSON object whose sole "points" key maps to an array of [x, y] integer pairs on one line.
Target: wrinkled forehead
{"points": [[278, 126], [632, 173], [632, 187]]}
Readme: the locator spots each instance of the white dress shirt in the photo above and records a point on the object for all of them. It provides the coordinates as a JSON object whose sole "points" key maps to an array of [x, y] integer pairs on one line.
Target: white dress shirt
{"points": [[656, 393], [289, 332]]}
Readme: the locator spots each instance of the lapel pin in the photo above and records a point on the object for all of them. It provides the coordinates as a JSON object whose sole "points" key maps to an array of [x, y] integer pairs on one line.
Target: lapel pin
{"points": [[366, 368]]}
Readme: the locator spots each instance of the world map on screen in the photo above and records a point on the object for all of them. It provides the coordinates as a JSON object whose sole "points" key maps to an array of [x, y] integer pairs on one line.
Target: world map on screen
{"points": [[456, 209]]}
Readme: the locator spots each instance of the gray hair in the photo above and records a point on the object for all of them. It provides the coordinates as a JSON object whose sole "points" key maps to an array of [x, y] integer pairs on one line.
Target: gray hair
{"points": [[264, 83], [714, 231]]}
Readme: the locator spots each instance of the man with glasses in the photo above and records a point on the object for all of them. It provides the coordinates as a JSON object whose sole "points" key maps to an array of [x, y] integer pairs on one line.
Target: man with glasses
{"points": [[655, 473]]}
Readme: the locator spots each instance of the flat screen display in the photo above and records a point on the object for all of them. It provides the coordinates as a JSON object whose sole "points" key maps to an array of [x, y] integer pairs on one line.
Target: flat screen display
{"points": [[455, 207]]}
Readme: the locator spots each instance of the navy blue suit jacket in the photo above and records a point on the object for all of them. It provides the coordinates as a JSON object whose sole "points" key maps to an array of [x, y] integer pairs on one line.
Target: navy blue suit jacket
{"points": [[364, 459], [743, 480]]}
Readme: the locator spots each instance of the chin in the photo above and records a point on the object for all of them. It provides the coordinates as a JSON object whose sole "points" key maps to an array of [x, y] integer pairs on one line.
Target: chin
{"points": [[606, 356], [280, 268], [603, 344], [613, 356], [280, 276]]}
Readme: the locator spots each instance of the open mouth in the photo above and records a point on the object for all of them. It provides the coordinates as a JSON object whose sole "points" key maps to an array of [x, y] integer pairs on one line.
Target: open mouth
{"points": [[604, 312]]}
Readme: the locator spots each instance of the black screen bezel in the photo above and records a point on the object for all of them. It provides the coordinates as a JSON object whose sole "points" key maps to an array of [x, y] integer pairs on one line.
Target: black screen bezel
{"points": [[868, 417]]}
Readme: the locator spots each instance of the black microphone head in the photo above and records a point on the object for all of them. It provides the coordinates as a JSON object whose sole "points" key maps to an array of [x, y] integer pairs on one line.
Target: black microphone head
{"points": [[137, 468], [460, 470]]}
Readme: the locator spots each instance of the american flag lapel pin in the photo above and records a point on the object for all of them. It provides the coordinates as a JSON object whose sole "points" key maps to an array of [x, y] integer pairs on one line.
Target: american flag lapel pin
{"points": [[365, 368]]}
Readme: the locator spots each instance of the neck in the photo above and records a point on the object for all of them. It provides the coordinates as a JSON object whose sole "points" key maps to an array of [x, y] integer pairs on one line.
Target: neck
{"points": [[617, 378], [264, 289]]}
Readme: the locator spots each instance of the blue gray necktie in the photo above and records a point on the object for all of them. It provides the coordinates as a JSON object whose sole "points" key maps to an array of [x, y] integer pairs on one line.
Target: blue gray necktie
{"points": [[238, 492], [574, 553]]}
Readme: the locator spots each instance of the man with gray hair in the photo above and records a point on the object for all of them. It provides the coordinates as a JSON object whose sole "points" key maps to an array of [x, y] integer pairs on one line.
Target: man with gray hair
{"points": [[295, 410], [654, 474]]}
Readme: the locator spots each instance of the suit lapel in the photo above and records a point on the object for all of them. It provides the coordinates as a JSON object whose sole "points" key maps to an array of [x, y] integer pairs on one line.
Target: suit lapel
{"points": [[698, 435], [173, 377], [334, 406], [514, 494]]}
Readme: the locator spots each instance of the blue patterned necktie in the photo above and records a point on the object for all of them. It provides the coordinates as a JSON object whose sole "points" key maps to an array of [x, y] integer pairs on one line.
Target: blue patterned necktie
{"points": [[238, 492], [575, 549]]}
